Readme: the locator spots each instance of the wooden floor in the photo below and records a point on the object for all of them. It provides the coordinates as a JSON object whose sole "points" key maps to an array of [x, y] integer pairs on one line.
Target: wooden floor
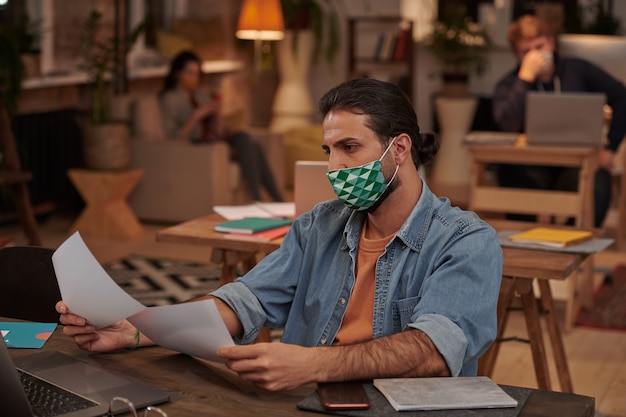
{"points": [[597, 358]]}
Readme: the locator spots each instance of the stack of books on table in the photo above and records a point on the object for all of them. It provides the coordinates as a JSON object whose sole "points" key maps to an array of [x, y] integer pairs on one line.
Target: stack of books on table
{"points": [[259, 229]]}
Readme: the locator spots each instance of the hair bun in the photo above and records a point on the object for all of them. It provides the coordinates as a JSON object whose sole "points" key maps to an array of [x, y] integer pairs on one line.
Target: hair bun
{"points": [[428, 146]]}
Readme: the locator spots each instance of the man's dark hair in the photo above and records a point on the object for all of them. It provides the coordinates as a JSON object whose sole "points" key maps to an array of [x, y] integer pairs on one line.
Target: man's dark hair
{"points": [[389, 112]]}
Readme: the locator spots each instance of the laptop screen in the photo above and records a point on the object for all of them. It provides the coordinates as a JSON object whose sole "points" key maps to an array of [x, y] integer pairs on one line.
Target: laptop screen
{"points": [[311, 185], [564, 119]]}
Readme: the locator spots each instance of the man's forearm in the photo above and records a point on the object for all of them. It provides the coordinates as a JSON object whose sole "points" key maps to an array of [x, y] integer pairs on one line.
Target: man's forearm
{"points": [[232, 322], [403, 355]]}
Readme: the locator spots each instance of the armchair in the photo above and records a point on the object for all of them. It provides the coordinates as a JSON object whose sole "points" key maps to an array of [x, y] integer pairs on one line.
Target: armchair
{"points": [[182, 180]]}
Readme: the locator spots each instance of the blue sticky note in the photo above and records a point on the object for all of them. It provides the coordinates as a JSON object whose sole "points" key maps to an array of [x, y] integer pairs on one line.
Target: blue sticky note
{"points": [[26, 334]]}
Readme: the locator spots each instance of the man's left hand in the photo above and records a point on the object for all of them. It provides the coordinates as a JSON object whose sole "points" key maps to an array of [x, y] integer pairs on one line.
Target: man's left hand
{"points": [[271, 366]]}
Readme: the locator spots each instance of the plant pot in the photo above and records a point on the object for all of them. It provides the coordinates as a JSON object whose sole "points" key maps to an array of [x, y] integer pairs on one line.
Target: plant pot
{"points": [[455, 84], [106, 147]]}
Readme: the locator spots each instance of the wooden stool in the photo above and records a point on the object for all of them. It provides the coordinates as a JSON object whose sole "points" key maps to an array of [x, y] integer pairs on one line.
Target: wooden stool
{"points": [[107, 214]]}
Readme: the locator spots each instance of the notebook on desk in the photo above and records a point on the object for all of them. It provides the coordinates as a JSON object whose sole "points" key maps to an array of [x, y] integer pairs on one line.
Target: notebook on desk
{"points": [[311, 185], [564, 119], [88, 389]]}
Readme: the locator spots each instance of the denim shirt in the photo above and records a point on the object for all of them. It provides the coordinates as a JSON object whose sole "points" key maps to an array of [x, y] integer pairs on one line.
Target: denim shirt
{"points": [[440, 274]]}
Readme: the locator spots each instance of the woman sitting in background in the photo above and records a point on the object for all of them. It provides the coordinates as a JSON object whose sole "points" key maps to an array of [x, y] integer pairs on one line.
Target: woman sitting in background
{"points": [[190, 114]]}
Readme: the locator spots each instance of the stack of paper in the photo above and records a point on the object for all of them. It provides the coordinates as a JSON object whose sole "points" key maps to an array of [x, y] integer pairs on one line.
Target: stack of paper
{"points": [[554, 238]]}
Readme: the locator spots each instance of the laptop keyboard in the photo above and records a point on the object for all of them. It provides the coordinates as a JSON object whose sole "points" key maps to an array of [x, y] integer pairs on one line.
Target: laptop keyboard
{"points": [[48, 400]]}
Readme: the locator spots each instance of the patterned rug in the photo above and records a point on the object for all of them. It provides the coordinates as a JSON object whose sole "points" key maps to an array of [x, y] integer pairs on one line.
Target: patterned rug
{"points": [[609, 304], [163, 281]]}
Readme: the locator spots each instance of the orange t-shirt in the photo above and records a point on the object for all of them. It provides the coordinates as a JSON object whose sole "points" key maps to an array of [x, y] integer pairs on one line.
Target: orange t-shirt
{"points": [[357, 321]]}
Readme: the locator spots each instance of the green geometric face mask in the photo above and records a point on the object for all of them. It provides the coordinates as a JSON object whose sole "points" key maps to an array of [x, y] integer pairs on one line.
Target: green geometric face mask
{"points": [[361, 187]]}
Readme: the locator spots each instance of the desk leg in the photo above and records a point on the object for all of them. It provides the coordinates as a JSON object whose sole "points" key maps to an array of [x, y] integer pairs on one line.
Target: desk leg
{"points": [[229, 260], [531, 313], [555, 337], [487, 362]]}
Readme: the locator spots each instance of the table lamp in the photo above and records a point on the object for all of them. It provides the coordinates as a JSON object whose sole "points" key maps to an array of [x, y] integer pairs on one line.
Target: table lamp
{"points": [[260, 20]]}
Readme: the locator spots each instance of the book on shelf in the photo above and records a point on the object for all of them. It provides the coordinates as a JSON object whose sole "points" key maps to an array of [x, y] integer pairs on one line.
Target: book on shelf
{"points": [[250, 225], [443, 393], [402, 44], [264, 236], [386, 51], [552, 237], [379, 46]]}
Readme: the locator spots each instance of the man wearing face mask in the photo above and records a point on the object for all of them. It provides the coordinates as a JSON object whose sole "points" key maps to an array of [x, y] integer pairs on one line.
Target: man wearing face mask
{"points": [[540, 68], [386, 281]]}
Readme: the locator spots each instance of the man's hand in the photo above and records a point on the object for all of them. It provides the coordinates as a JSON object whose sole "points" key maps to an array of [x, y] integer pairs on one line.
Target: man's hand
{"points": [[272, 366], [607, 159], [116, 336], [532, 66]]}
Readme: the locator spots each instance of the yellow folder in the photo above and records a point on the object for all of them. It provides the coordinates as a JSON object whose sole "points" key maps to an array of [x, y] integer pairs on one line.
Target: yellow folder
{"points": [[555, 238]]}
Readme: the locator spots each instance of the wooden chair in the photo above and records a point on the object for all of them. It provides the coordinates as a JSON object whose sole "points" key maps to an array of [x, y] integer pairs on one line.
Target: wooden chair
{"points": [[12, 176], [28, 284]]}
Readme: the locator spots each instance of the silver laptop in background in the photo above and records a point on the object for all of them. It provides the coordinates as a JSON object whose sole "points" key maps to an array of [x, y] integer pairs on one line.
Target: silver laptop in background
{"points": [[73, 376], [564, 119], [310, 185]]}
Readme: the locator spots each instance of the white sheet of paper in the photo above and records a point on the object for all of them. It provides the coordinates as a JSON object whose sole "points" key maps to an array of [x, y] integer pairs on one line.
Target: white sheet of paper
{"points": [[241, 212], [282, 209], [87, 289], [258, 209], [195, 328], [4, 332]]}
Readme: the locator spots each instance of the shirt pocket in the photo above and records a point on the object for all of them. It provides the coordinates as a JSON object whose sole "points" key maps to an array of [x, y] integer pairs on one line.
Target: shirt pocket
{"points": [[402, 312]]}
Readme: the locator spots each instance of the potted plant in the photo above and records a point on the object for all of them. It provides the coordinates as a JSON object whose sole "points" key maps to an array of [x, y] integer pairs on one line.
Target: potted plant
{"points": [[106, 143], [461, 45]]}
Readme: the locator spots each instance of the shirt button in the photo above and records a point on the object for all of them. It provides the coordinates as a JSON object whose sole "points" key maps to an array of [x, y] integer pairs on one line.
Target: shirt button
{"points": [[342, 301], [323, 341]]}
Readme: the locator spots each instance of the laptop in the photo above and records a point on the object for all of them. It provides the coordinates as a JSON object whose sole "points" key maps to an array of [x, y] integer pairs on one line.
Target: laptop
{"points": [[564, 119], [90, 387], [311, 185]]}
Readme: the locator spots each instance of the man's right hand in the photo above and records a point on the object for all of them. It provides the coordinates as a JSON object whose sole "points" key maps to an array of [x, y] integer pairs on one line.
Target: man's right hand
{"points": [[118, 335], [532, 66]]}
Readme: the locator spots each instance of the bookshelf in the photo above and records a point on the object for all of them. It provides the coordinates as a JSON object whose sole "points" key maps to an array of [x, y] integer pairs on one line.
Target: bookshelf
{"points": [[381, 47]]}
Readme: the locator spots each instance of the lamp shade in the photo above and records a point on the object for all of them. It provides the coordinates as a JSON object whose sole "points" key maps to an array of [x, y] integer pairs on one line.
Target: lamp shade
{"points": [[261, 19]]}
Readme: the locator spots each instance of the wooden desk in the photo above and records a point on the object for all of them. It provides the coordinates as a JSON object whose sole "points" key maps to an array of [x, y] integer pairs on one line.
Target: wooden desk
{"points": [[199, 387], [486, 198], [226, 252], [521, 268], [106, 213]]}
